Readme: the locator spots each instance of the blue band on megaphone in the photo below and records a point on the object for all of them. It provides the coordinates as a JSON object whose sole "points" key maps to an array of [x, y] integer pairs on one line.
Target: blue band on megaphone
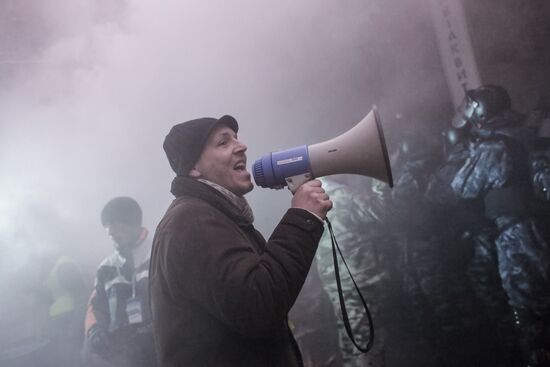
{"points": [[273, 168]]}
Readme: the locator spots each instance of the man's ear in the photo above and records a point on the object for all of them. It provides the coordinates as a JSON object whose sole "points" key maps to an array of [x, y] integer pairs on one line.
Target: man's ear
{"points": [[194, 173]]}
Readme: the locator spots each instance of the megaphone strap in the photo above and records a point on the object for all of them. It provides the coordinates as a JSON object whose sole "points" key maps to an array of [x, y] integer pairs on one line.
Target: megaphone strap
{"points": [[345, 317]]}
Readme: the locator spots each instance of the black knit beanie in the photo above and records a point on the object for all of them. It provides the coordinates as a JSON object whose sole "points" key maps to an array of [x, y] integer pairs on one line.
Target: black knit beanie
{"points": [[185, 141]]}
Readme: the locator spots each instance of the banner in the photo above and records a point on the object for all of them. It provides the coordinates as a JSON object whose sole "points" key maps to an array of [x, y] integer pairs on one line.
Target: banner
{"points": [[455, 48]]}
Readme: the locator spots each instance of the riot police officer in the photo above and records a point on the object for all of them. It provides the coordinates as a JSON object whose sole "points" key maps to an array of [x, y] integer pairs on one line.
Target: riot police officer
{"points": [[497, 172]]}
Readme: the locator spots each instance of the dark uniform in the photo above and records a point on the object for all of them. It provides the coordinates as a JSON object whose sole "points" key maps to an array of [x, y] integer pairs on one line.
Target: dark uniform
{"points": [[497, 171], [432, 260], [480, 314]]}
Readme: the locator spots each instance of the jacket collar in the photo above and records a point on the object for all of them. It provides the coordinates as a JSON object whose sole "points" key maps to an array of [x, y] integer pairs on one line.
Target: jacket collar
{"points": [[185, 186]]}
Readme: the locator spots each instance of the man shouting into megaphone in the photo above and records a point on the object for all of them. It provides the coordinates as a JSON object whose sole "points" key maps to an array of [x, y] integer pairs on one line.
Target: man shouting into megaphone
{"points": [[220, 293]]}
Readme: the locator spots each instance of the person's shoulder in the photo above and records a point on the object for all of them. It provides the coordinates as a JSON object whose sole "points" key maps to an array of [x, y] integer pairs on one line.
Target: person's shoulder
{"points": [[107, 269], [114, 259], [186, 206], [184, 212]]}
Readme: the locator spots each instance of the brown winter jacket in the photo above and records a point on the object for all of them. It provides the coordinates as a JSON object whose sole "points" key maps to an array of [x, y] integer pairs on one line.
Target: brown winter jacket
{"points": [[219, 293]]}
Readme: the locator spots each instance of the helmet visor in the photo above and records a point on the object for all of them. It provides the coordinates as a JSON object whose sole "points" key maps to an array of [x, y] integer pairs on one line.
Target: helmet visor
{"points": [[464, 113]]}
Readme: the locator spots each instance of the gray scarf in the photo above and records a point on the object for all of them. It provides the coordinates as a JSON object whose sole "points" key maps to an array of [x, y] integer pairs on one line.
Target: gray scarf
{"points": [[239, 202]]}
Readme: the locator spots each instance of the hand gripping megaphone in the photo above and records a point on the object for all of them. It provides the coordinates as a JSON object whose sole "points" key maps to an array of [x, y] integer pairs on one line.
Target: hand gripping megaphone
{"points": [[360, 150]]}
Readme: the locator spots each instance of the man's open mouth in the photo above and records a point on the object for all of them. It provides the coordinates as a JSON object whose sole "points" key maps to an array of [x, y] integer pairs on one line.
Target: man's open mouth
{"points": [[240, 166]]}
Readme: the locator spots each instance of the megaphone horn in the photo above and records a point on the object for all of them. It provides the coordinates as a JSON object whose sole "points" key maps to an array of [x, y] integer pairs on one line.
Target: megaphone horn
{"points": [[360, 150]]}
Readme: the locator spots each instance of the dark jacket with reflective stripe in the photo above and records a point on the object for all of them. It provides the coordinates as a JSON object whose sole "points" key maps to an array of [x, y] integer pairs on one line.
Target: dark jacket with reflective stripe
{"points": [[219, 293]]}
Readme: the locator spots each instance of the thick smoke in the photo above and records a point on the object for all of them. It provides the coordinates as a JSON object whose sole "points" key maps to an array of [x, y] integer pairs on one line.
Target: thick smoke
{"points": [[90, 88]]}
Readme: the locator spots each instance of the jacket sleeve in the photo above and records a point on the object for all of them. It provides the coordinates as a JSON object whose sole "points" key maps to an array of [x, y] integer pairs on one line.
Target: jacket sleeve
{"points": [[214, 264], [97, 313]]}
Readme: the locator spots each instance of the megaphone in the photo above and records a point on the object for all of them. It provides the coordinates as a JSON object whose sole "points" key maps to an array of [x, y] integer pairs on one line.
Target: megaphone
{"points": [[360, 150]]}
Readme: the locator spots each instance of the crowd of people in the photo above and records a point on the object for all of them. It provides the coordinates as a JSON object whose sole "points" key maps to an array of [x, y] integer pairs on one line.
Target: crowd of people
{"points": [[454, 261]]}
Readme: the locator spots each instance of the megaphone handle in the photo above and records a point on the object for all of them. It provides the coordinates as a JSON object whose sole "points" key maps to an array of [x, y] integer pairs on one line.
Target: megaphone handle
{"points": [[294, 182]]}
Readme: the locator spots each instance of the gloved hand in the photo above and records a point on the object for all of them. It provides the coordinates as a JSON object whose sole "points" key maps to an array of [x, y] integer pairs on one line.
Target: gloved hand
{"points": [[100, 341]]}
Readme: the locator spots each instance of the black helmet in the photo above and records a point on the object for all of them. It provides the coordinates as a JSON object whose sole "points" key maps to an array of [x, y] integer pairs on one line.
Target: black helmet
{"points": [[121, 209], [481, 105]]}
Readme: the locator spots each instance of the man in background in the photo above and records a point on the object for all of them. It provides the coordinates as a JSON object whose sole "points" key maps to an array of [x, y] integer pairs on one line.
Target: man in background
{"points": [[118, 321]]}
